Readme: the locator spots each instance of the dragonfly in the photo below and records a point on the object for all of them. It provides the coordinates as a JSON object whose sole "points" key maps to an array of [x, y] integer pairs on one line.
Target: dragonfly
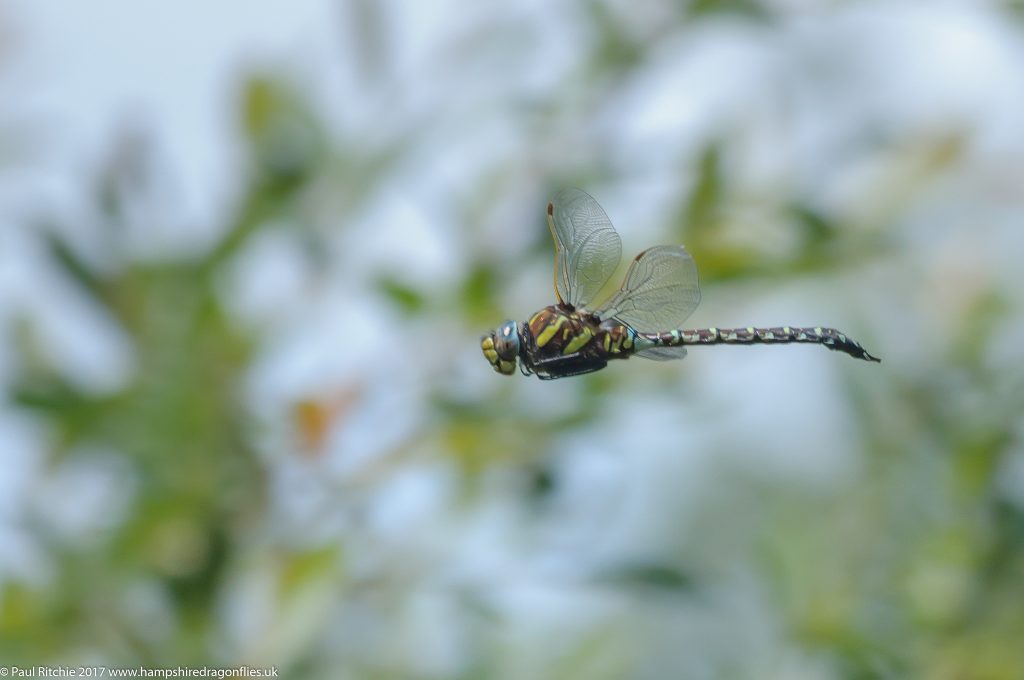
{"points": [[643, 318]]}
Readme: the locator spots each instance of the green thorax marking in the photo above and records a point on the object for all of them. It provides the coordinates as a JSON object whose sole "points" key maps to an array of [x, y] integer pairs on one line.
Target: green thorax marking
{"points": [[559, 331], [582, 338]]}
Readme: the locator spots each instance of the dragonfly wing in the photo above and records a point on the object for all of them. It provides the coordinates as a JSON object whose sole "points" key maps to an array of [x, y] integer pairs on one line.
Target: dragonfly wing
{"points": [[662, 353], [587, 248], [660, 291]]}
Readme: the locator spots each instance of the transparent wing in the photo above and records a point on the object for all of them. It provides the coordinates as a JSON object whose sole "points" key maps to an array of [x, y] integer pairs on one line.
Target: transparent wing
{"points": [[663, 353], [659, 293], [587, 249]]}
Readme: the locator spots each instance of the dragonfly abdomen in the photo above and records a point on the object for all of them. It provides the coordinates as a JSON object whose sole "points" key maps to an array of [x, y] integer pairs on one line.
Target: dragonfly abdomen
{"points": [[829, 337]]}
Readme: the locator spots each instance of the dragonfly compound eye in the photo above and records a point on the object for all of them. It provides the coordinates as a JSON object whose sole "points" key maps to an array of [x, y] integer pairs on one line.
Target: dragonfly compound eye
{"points": [[502, 347]]}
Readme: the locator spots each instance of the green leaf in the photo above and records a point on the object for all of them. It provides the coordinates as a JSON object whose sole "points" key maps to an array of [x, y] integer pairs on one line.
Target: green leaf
{"points": [[406, 298]]}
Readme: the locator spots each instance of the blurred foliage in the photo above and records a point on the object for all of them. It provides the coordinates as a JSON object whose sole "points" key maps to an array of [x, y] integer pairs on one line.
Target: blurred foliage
{"points": [[914, 569], [823, 246]]}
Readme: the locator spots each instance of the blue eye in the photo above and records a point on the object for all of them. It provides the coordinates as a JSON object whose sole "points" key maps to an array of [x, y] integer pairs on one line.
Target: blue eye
{"points": [[506, 340]]}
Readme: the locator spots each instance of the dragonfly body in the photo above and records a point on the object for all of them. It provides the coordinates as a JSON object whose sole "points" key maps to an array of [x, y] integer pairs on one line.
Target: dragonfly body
{"points": [[559, 341], [660, 291]]}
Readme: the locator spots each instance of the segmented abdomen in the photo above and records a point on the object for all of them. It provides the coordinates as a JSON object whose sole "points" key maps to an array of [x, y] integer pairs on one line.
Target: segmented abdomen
{"points": [[829, 337]]}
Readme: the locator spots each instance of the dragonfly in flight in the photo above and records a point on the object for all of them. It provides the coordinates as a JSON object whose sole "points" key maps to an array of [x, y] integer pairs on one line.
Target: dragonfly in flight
{"points": [[643, 318]]}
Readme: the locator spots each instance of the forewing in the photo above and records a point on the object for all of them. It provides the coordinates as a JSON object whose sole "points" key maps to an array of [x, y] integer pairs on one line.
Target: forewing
{"points": [[587, 248], [659, 293]]}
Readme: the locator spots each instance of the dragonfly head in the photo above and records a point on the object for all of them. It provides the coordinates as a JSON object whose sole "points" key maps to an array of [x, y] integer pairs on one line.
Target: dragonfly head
{"points": [[501, 347]]}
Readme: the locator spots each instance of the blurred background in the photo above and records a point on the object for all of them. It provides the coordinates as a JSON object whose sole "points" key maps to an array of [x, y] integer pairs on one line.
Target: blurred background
{"points": [[247, 252]]}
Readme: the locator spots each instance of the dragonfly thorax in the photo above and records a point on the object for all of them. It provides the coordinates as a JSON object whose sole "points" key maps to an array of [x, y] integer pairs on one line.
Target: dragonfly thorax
{"points": [[501, 347]]}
